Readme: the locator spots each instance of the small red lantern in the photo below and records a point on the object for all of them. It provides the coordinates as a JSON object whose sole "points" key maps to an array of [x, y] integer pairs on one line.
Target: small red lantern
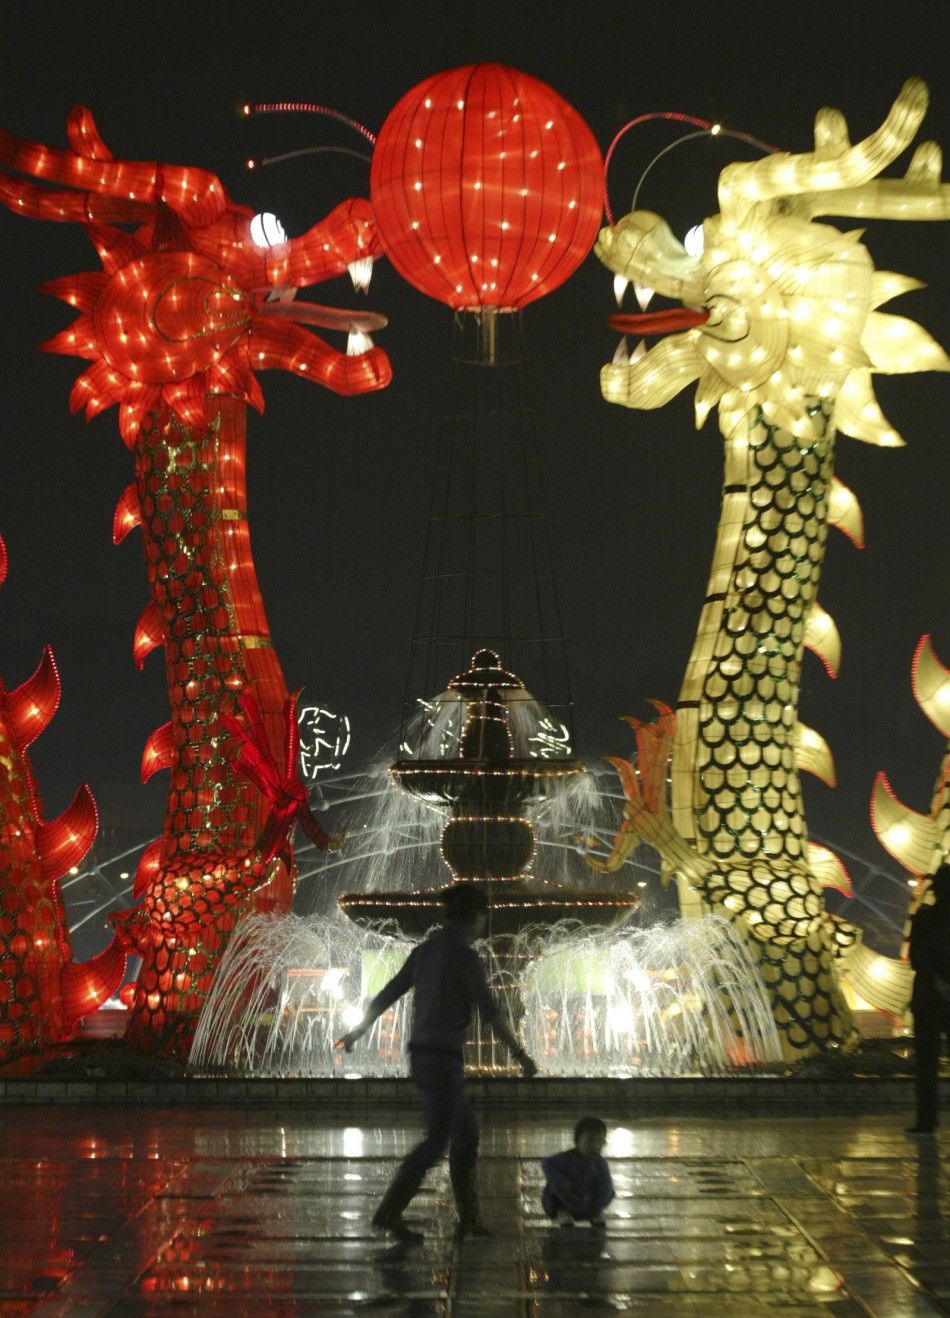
{"points": [[486, 186]]}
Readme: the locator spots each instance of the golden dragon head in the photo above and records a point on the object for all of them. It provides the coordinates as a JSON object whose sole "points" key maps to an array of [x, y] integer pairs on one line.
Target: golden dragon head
{"points": [[779, 311]]}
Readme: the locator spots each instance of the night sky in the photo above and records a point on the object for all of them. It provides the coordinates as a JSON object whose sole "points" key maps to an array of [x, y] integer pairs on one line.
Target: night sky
{"points": [[339, 488]]}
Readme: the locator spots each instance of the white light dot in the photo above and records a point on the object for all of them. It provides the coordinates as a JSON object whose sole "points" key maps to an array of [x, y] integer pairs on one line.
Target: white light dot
{"points": [[460, 104]]}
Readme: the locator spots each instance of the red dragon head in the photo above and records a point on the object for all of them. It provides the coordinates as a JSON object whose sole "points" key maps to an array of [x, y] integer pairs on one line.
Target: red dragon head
{"points": [[188, 304]]}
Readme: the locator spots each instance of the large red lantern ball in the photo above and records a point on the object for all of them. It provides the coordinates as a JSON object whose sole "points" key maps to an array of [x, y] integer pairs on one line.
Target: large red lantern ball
{"points": [[486, 185]]}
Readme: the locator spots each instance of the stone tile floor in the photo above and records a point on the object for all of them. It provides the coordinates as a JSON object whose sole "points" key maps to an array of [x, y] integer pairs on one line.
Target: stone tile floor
{"points": [[128, 1211]]}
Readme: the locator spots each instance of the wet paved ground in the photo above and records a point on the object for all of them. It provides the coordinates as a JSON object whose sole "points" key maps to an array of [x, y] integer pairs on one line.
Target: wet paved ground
{"points": [[130, 1211]]}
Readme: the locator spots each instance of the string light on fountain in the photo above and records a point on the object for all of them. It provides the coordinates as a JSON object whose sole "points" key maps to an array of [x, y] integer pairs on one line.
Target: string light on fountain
{"points": [[491, 788]]}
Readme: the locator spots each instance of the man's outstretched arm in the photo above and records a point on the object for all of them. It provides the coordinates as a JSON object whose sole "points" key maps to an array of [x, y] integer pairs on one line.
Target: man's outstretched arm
{"points": [[400, 983]]}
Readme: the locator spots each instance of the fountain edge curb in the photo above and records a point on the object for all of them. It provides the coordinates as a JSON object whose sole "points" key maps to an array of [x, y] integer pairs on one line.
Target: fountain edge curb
{"points": [[651, 1096]]}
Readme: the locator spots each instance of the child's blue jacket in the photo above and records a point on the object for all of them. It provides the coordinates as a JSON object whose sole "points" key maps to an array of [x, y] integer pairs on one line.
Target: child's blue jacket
{"points": [[581, 1185]]}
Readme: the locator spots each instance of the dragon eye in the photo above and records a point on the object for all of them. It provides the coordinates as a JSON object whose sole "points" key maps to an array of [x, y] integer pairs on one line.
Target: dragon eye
{"points": [[267, 230]]}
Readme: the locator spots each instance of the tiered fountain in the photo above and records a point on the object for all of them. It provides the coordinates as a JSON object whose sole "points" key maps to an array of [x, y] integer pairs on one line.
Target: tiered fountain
{"points": [[490, 796]]}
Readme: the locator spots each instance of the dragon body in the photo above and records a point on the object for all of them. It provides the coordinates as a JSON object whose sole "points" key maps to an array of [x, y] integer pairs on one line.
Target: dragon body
{"points": [[782, 334], [183, 312], [43, 992]]}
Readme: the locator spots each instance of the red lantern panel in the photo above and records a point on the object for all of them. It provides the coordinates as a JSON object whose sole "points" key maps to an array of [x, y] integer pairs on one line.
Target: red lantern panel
{"points": [[486, 185]]}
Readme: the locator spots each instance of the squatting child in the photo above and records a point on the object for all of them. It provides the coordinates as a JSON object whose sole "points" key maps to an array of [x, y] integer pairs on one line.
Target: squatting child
{"points": [[578, 1186]]}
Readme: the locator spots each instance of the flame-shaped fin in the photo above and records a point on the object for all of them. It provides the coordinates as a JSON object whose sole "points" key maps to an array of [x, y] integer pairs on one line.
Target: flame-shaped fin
{"points": [[62, 842], [81, 291], [79, 340], [821, 637], [149, 633], [829, 869], [128, 514], [86, 986], [883, 982], [857, 413], [31, 706], [159, 752], [96, 389], [147, 868], [887, 284], [115, 247], [844, 512], [911, 838], [896, 344], [931, 683], [813, 755]]}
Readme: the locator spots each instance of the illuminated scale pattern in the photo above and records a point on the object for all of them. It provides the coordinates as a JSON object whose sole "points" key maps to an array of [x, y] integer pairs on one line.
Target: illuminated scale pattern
{"points": [[43, 993], [781, 332], [183, 312], [189, 499], [741, 763]]}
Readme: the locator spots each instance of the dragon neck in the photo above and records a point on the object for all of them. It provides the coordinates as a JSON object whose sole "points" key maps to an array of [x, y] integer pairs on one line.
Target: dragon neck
{"points": [[735, 783], [193, 497]]}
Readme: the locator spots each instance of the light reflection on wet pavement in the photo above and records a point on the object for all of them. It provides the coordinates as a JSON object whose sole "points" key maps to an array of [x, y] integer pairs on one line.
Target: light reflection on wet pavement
{"points": [[126, 1211]]}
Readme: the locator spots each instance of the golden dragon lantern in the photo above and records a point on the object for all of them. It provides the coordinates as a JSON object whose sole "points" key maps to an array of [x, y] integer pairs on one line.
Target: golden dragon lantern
{"points": [[190, 303], [780, 331]]}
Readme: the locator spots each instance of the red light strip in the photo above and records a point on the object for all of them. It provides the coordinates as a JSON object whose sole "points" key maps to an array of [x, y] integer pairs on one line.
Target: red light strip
{"points": [[308, 107]]}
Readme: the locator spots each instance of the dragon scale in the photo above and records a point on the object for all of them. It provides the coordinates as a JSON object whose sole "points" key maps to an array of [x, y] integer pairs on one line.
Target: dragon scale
{"points": [[736, 792], [190, 493]]}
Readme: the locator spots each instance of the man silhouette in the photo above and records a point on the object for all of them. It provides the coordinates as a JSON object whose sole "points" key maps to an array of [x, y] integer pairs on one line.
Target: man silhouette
{"points": [[448, 979]]}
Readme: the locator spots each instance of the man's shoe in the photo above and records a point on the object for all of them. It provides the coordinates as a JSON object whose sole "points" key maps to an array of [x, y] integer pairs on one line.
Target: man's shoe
{"points": [[564, 1218], [598, 1222], [399, 1229], [920, 1130]]}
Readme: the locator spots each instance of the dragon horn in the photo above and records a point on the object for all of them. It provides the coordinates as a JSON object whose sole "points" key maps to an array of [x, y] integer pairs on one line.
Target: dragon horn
{"points": [[196, 194]]}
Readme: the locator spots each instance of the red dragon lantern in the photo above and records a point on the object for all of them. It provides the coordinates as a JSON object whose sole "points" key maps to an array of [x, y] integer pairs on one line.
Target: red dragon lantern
{"points": [[184, 310], [43, 992]]}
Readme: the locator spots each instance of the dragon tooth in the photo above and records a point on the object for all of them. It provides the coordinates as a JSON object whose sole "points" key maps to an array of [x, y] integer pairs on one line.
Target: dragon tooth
{"points": [[639, 352], [644, 295], [357, 343], [621, 283], [621, 354], [361, 272]]}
